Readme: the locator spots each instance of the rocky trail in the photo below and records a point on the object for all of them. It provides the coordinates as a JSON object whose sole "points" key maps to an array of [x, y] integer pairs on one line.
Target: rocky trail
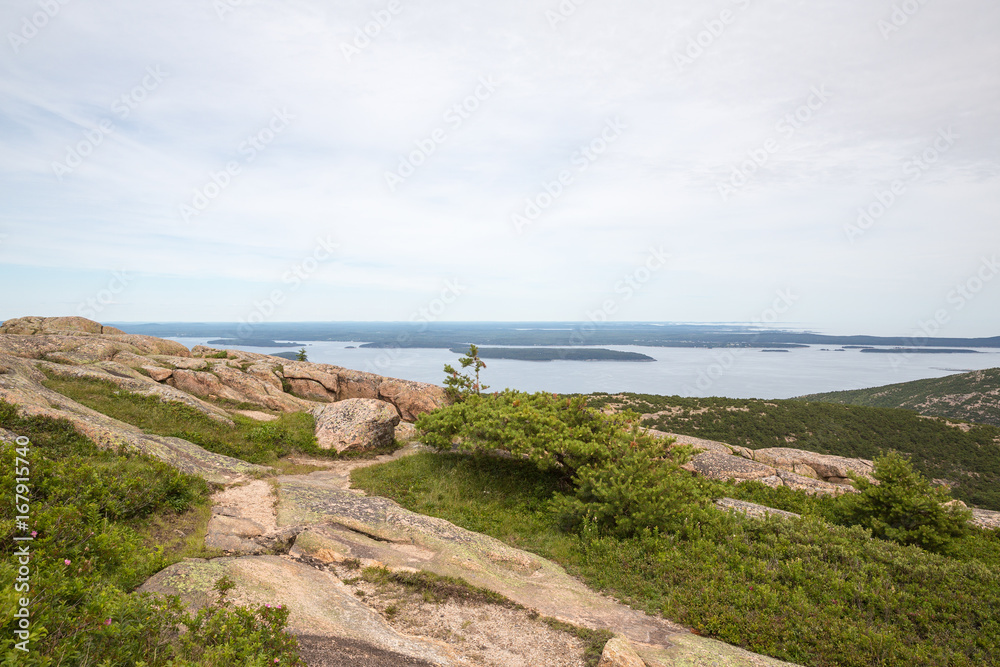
{"points": [[301, 539]]}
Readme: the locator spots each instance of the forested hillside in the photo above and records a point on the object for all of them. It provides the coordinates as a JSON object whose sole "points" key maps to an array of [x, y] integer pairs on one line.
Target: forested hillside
{"points": [[973, 397], [965, 456]]}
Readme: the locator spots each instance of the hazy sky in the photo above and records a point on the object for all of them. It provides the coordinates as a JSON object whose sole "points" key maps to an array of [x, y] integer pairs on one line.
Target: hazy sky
{"points": [[830, 164]]}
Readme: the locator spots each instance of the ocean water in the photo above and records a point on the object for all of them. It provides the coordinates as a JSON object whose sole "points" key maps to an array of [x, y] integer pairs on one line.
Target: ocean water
{"points": [[736, 373]]}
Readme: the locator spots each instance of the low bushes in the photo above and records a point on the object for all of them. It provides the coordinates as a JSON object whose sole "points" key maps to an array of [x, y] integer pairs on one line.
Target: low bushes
{"points": [[87, 508]]}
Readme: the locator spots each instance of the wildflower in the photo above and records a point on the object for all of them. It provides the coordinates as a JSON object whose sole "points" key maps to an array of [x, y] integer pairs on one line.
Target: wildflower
{"points": [[67, 561], [34, 533], [107, 622]]}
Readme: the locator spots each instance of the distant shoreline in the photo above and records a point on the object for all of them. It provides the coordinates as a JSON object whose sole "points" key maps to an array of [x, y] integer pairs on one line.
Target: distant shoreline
{"points": [[447, 335], [555, 354], [917, 350]]}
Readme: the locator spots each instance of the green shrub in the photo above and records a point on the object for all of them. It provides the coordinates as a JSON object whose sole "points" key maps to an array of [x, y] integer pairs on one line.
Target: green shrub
{"points": [[904, 507], [622, 480], [560, 434]]}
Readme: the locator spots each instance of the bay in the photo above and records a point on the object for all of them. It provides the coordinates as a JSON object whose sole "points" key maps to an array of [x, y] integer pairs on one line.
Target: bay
{"points": [[683, 371]]}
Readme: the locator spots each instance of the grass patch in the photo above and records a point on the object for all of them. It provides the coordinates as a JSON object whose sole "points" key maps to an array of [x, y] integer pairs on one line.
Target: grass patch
{"points": [[249, 440], [803, 591], [594, 640], [505, 498], [178, 535]]}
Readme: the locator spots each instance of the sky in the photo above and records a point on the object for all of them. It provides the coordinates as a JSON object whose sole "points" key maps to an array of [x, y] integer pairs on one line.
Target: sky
{"points": [[831, 165]]}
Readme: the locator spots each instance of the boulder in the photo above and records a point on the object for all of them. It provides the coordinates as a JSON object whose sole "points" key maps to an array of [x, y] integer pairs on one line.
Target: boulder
{"points": [[811, 464], [412, 398], [752, 509], [355, 424], [716, 465], [158, 373], [619, 653]]}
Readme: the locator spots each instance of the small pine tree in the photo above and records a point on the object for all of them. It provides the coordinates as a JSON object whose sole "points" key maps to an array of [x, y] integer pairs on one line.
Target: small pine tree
{"points": [[301, 355], [459, 385], [904, 507]]}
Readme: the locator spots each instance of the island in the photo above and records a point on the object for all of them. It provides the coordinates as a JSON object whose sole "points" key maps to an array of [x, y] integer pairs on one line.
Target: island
{"points": [[252, 342], [918, 350], [555, 353]]}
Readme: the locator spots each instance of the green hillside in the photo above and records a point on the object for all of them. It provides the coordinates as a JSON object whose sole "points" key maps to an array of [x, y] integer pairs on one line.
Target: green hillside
{"points": [[966, 456], [973, 397]]}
